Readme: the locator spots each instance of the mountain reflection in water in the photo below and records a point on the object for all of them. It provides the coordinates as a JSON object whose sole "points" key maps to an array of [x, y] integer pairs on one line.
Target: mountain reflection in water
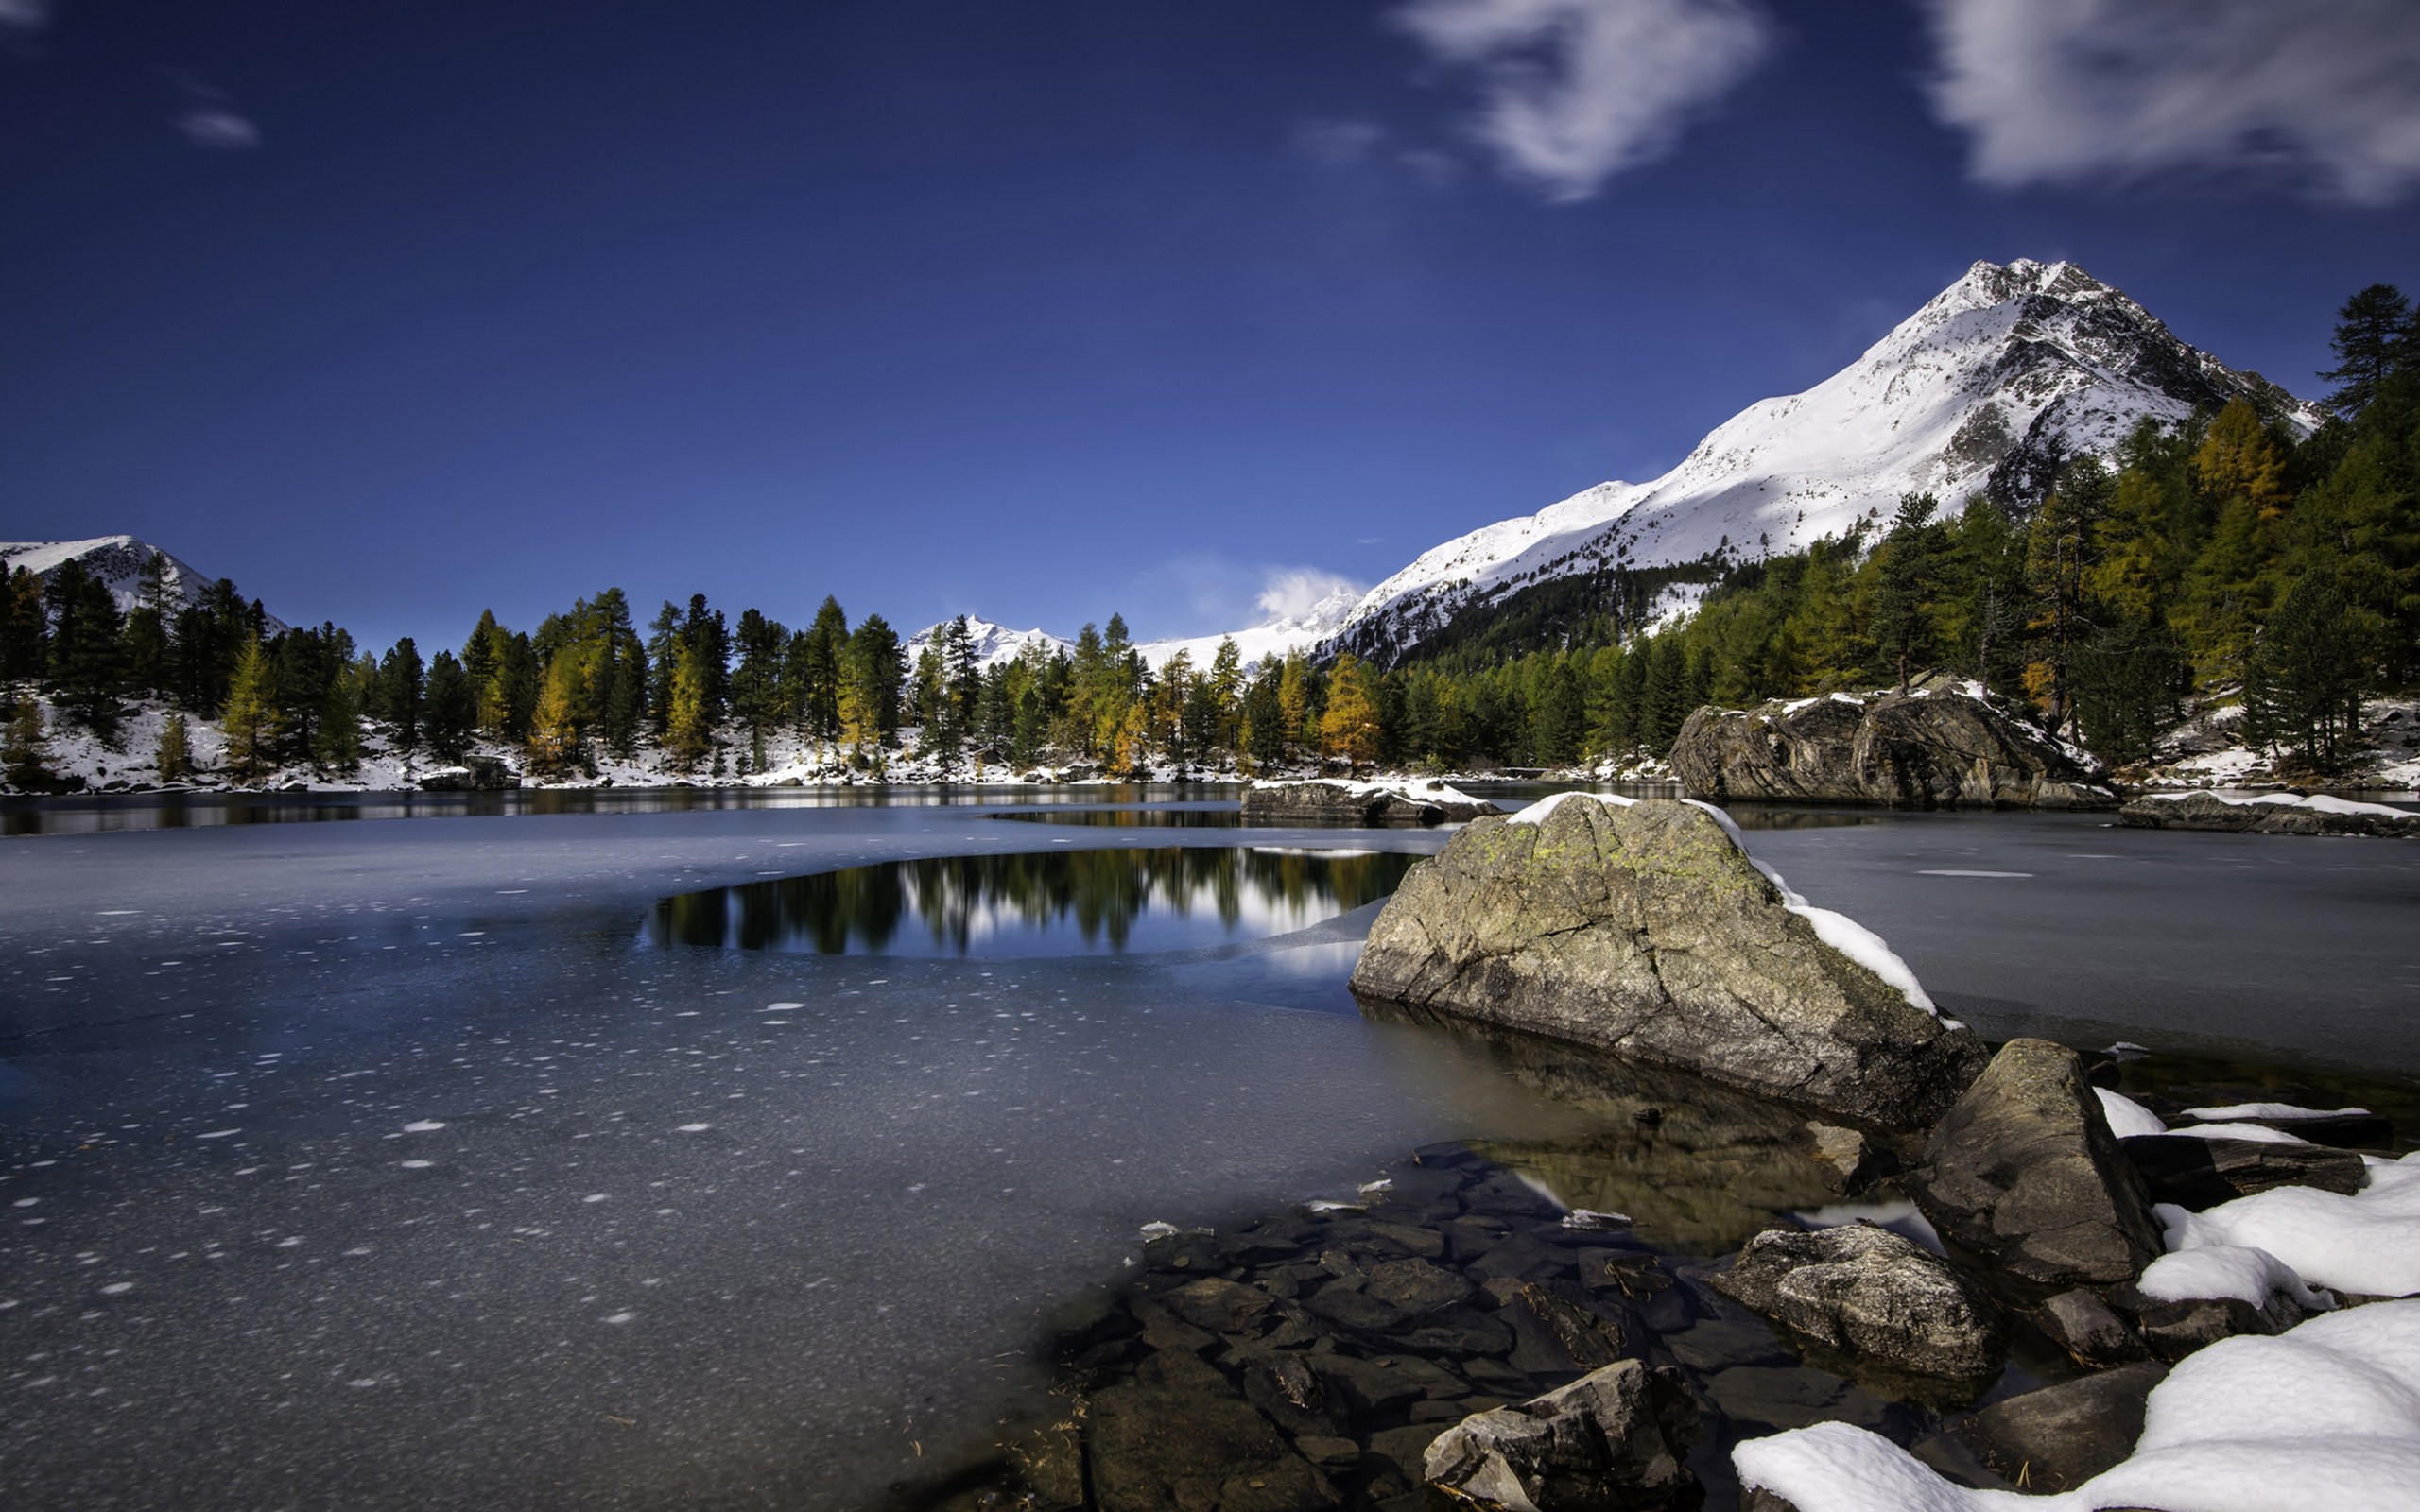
{"points": [[1055, 903]]}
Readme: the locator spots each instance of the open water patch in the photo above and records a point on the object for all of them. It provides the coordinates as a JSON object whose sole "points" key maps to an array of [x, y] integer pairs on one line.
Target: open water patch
{"points": [[1058, 903]]}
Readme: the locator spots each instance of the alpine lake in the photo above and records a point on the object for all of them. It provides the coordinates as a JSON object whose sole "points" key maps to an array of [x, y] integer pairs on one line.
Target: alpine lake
{"points": [[814, 1148]]}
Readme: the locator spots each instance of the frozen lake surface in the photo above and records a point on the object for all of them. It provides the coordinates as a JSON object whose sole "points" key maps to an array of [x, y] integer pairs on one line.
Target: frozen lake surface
{"points": [[379, 1164]]}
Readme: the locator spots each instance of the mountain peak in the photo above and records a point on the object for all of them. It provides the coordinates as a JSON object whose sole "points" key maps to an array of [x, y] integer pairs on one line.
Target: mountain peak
{"points": [[1989, 389]]}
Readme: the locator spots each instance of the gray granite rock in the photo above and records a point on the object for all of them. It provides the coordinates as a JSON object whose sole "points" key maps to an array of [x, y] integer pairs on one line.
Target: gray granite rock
{"points": [[1646, 930], [1617, 1437], [1871, 1295]]}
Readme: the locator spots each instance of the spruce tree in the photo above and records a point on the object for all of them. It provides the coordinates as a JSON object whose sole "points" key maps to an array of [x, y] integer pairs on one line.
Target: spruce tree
{"points": [[24, 756], [145, 650], [402, 688], [757, 686], [2374, 341], [86, 647], [452, 712], [2309, 672], [25, 628], [1907, 568], [335, 749]]}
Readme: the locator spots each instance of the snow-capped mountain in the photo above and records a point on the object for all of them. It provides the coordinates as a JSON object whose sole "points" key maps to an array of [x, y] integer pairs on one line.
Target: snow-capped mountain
{"points": [[1987, 388], [116, 560], [993, 643]]}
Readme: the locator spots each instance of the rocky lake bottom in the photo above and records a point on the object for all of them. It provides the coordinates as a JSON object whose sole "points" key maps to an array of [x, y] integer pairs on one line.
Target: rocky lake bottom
{"points": [[443, 1165]]}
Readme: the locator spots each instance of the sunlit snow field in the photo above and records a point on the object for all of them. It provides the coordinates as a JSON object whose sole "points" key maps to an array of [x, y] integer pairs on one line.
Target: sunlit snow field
{"points": [[389, 1165]]}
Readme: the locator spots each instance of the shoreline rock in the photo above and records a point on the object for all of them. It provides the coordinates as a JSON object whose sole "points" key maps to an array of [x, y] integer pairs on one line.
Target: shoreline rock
{"points": [[1872, 1296], [1645, 930], [1939, 747], [2269, 813], [1361, 806]]}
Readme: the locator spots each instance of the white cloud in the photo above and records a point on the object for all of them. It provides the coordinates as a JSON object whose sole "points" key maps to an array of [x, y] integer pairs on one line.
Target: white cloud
{"points": [[24, 17], [2323, 92], [1290, 593], [1576, 91], [215, 125]]}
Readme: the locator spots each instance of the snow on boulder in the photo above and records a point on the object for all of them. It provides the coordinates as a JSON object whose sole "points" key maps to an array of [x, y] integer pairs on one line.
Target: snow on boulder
{"points": [[2325, 1415], [2367, 1242], [2269, 813], [1643, 928]]}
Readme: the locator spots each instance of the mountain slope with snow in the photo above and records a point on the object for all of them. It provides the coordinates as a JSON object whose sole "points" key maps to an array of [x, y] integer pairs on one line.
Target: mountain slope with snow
{"points": [[1304, 631], [993, 643], [116, 560], [1986, 390]]}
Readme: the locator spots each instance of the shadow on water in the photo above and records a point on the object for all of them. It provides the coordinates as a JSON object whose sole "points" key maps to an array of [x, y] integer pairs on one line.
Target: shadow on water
{"points": [[114, 813], [1049, 903]]}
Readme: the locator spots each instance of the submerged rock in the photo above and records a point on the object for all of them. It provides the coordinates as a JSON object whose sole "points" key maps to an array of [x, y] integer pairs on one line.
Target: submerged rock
{"points": [[1940, 746], [1645, 930], [1616, 1438], [1869, 1294], [1367, 805], [2058, 1438], [2025, 1172]]}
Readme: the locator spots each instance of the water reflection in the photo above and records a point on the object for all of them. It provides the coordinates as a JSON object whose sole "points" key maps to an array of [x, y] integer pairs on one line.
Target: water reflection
{"points": [[1056, 903]]}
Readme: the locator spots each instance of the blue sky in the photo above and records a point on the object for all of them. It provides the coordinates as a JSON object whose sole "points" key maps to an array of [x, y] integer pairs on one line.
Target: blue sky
{"points": [[1046, 308]]}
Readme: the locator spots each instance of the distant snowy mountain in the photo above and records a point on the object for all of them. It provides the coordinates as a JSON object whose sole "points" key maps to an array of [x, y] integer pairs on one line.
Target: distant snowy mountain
{"points": [[1987, 388], [116, 560], [996, 644], [993, 643]]}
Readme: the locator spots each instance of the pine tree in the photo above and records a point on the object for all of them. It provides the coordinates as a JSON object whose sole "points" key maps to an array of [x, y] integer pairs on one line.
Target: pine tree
{"points": [[401, 688], [452, 710], [86, 646], [249, 719], [2374, 341], [2058, 562], [757, 686], [25, 628], [1907, 567], [145, 651], [173, 759], [335, 749], [24, 756], [2309, 673]]}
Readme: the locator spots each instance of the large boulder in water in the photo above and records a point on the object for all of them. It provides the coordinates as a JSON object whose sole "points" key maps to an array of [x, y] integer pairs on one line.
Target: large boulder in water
{"points": [[1938, 747], [1364, 805], [1646, 930], [2025, 1172]]}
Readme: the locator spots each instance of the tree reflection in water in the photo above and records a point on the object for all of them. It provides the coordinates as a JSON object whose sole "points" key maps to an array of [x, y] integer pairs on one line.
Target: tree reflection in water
{"points": [[1059, 902]]}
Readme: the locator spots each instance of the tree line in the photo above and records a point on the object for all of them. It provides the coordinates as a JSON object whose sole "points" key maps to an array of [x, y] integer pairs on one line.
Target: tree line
{"points": [[2224, 553]]}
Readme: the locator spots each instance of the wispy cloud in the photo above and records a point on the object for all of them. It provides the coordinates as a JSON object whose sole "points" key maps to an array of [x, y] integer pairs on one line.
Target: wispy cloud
{"points": [[2326, 92], [1573, 91], [1290, 593], [209, 117], [1338, 143], [22, 18], [217, 126]]}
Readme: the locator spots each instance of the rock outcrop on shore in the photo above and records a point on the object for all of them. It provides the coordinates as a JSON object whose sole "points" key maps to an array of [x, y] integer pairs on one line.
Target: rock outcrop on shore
{"points": [[1646, 930], [2269, 813], [1362, 805], [1617, 1437], [2025, 1172], [1939, 747]]}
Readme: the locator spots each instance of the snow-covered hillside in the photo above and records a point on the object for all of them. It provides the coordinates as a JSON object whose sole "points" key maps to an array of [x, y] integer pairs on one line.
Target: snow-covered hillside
{"points": [[116, 560], [1986, 389]]}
